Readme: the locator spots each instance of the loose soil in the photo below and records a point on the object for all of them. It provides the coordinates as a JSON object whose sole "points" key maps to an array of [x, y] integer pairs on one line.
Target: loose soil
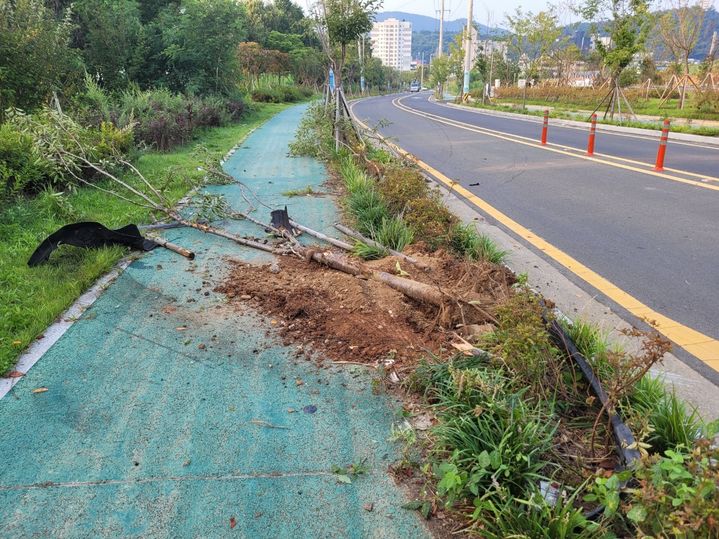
{"points": [[362, 320]]}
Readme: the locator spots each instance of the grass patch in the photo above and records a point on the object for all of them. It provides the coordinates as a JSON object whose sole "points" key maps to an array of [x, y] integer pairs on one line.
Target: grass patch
{"points": [[31, 298], [466, 241], [369, 252], [304, 192], [394, 233]]}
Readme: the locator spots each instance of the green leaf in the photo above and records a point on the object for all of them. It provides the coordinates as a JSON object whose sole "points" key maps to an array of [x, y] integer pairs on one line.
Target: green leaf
{"points": [[414, 505], [341, 478], [483, 459], [637, 513]]}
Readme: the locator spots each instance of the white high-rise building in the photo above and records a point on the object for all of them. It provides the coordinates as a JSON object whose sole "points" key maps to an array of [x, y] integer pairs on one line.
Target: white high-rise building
{"points": [[392, 43]]}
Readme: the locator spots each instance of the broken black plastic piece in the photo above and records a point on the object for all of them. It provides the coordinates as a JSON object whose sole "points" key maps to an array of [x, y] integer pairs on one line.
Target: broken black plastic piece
{"points": [[90, 235], [281, 220]]}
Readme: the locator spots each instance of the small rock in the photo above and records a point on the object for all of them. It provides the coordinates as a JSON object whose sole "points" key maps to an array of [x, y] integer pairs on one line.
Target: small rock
{"points": [[201, 346], [274, 267], [245, 296], [368, 507]]}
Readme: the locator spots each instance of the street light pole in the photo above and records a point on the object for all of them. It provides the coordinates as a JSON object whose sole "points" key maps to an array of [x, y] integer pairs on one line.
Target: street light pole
{"points": [[468, 49]]}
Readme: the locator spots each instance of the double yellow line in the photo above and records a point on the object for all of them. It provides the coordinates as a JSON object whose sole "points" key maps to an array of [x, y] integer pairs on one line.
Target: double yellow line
{"points": [[701, 346]]}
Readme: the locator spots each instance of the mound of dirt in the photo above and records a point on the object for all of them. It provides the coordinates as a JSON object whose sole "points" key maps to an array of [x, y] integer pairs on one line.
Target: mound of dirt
{"points": [[358, 319]]}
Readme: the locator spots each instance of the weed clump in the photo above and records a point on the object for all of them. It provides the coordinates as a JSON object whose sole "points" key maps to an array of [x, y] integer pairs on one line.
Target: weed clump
{"points": [[466, 241], [430, 219], [400, 185]]}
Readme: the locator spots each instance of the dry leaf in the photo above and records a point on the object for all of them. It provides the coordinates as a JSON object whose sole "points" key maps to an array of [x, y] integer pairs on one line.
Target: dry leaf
{"points": [[181, 328], [233, 522], [17, 342], [39, 390], [14, 374], [299, 382]]}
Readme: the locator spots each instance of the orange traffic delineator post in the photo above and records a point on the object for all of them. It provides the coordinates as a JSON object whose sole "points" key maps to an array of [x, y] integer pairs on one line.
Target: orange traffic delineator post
{"points": [[659, 165], [592, 135], [545, 126]]}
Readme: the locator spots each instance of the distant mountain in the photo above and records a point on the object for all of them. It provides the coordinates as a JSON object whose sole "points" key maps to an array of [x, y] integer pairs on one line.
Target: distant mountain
{"points": [[422, 23]]}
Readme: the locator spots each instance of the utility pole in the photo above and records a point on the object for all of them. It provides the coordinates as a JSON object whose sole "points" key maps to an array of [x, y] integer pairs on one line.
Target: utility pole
{"points": [[441, 29], [468, 49], [360, 47], [421, 73]]}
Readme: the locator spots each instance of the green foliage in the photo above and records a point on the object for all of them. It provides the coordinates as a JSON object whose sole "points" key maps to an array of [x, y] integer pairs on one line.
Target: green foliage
{"points": [[430, 219], [678, 494], [112, 36], [672, 423], [503, 515], [400, 185], [369, 252], [534, 37], [22, 169], [281, 94], [466, 241], [523, 345], [31, 298], [368, 210], [314, 134], [394, 233], [35, 56], [200, 38], [489, 434], [627, 22]]}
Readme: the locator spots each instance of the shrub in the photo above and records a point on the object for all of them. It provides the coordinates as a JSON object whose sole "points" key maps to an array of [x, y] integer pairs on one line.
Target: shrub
{"points": [[429, 218], [400, 185], [210, 112], [677, 494], [22, 169], [266, 96]]}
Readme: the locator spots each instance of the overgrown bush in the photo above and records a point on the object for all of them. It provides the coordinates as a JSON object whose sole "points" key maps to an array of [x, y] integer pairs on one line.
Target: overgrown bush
{"points": [[281, 94], [49, 131], [430, 219], [677, 494], [400, 185], [22, 169]]}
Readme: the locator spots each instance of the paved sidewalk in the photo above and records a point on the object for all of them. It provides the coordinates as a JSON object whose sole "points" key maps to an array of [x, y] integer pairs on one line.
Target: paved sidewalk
{"points": [[166, 411]]}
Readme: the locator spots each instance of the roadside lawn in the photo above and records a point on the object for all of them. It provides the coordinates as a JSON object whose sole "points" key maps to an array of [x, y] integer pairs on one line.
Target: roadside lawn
{"points": [[31, 298]]}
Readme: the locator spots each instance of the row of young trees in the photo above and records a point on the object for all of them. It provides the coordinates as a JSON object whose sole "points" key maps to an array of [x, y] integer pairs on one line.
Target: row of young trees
{"points": [[539, 46]]}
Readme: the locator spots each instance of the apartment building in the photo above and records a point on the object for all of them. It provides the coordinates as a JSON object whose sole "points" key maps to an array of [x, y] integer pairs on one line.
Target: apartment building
{"points": [[392, 43]]}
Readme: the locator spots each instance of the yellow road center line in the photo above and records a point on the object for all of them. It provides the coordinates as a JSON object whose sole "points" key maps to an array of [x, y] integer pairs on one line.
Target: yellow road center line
{"points": [[529, 142], [701, 346]]}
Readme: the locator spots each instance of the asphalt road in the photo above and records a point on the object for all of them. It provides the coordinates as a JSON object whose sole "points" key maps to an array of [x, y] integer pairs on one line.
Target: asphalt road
{"points": [[653, 238], [690, 157]]}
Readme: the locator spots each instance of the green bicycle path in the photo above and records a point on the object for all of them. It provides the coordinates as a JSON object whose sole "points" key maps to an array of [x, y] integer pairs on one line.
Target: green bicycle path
{"points": [[166, 410]]}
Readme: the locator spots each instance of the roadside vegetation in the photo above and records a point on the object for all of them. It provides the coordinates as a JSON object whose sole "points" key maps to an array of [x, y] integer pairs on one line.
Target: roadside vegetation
{"points": [[31, 298], [520, 445]]}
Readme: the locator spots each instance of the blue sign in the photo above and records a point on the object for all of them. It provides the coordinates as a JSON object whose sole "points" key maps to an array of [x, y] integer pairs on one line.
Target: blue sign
{"points": [[332, 80]]}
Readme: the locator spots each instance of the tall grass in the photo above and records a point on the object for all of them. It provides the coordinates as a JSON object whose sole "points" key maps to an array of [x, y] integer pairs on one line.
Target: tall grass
{"points": [[466, 241]]}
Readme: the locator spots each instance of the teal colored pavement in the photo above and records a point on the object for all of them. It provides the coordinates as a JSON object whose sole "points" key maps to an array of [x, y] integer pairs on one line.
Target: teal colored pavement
{"points": [[167, 410]]}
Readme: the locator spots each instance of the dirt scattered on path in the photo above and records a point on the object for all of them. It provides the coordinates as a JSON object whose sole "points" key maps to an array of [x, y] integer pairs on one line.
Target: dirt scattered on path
{"points": [[363, 320]]}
